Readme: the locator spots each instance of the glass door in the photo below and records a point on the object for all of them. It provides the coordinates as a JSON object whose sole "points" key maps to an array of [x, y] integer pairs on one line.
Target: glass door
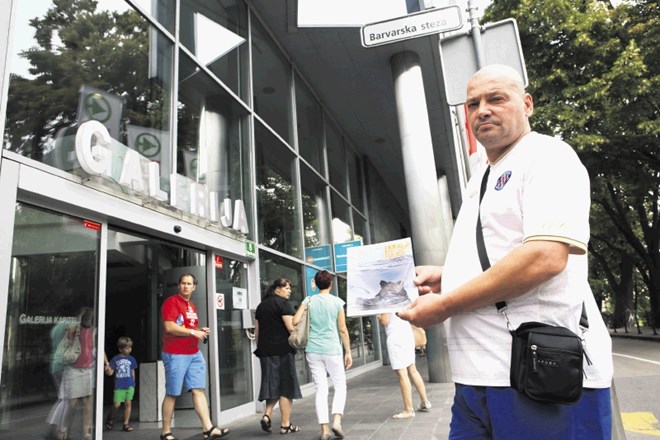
{"points": [[234, 347], [142, 272], [52, 297]]}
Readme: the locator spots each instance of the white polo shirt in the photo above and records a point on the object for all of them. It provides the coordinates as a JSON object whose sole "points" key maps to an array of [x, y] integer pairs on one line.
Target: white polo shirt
{"points": [[539, 190]]}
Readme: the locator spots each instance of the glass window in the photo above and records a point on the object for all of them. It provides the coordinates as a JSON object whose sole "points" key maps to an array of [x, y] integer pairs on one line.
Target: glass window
{"points": [[272, 267], [355, 179], [277, 213], [161, 10], [271, 76], [336, 158], [51, 296], [360, 225], [315, 208], [235, 355], [106, 65], [341, 220], [354, 326], [309, 123], [216, 33], [212, 133]]}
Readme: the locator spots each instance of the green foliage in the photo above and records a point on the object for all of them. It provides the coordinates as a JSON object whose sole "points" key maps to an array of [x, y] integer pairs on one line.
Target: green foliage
{"points": [[594, 76], [78, 45]]}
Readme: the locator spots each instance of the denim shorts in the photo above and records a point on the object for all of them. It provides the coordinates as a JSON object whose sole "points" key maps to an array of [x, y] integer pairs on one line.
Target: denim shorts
{"points": [[181, 370], [502, 413]]}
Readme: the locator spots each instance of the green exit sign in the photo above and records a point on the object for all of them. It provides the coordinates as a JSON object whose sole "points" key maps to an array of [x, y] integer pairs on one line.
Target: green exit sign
{"points": [[250, 249]]}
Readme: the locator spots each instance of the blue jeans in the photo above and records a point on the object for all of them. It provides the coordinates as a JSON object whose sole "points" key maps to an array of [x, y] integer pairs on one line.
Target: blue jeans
{"points": [[502, 413]]}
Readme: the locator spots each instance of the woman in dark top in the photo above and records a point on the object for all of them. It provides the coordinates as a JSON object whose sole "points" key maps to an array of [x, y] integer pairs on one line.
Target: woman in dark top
{"points": [[279, 381]]}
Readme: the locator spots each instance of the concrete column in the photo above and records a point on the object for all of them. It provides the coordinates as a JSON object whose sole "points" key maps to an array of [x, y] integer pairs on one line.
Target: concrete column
{"points": [[428, 236]]}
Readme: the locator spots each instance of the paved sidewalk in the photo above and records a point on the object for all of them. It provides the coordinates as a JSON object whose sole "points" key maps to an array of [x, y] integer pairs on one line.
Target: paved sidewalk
{"points": [[373, 398]]}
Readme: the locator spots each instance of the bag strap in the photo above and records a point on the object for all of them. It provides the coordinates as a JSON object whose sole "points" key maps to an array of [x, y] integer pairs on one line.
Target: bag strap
{"points": [[485, 261]]}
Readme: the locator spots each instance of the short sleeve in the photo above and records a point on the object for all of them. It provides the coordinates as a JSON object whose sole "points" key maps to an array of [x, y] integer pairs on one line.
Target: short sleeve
{"points": [[556, 200], [286, 308]]}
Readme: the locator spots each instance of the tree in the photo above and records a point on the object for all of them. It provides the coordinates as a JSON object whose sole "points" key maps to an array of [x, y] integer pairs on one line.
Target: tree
{"points": [[593, 72], [78, 45]]}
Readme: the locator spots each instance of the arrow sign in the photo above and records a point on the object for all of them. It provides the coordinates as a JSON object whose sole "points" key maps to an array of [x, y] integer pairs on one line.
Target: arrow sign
{"points": [[431, 21]]}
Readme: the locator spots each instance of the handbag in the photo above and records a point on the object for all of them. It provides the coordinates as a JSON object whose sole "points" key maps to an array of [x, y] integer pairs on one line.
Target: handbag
{"points": [[546, 360], [68, 350], [299, 336]]}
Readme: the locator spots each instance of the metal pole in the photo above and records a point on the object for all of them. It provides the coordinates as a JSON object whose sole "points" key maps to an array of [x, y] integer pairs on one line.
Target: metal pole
{"points": [[476, 34]]}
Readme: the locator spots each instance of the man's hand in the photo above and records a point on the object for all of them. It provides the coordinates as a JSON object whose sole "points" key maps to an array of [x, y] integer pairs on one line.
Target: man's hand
{"points": [[425, 311], [428, 279]]}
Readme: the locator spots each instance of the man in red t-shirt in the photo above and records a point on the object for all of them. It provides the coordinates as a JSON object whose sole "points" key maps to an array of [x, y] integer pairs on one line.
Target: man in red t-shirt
{"points": [[183, 362]]}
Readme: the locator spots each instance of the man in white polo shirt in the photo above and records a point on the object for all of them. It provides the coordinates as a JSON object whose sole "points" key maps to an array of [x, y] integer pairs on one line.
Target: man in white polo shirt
{"points": [[535, 222]]}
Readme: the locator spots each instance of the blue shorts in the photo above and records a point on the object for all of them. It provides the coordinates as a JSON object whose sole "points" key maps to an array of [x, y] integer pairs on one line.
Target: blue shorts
{"points": [[181, 370], [502, 413]]}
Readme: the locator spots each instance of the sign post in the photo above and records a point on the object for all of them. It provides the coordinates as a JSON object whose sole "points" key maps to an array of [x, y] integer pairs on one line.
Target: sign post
{"points": [[431, 21]]}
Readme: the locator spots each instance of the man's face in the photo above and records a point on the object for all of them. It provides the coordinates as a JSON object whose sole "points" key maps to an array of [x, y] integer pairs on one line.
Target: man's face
{"points": [[498, 111], [186, 286]]}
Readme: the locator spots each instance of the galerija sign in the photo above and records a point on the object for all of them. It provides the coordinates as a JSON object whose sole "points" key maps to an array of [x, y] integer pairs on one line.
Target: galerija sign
{"points": [[100, 155]]}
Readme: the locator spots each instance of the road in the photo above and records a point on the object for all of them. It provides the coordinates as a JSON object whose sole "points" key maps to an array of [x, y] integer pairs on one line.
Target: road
{"points": [[637, 382]]}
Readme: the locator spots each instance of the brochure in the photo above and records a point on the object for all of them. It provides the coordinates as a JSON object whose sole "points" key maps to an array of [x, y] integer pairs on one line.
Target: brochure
{"points": [[380, 278]]}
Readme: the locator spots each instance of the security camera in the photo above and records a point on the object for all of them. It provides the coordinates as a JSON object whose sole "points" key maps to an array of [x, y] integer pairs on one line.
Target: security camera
{"points": [[177, 229]]}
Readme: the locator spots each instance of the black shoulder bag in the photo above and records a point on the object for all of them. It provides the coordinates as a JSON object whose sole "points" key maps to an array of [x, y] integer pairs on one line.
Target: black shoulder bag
{"points": [[546, 360]]}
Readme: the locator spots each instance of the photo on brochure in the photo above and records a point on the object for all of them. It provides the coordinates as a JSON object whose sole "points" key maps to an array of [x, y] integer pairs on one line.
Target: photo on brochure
{"points": [[380, 278]]}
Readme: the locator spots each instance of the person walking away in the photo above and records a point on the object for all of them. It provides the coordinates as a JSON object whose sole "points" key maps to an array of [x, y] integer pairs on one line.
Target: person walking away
{"points": [[401, 353], [184, 363], [535, 221], [123, 367], [327, 336], [279, 380]]}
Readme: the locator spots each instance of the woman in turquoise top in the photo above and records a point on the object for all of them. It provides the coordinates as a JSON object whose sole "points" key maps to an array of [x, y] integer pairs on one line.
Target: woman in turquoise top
{"points": [[325, 356]]}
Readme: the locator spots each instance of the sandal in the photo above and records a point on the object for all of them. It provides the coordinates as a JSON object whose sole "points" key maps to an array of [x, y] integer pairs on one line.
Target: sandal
{"points": [[127, 428], [108, 425], [209, 434], [404, 415], [265, 423], [424, 406], [289, 429], [168, 436]]}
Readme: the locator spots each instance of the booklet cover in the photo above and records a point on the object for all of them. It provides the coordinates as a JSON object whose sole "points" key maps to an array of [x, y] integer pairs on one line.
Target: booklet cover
{"points": [[380, 278]]}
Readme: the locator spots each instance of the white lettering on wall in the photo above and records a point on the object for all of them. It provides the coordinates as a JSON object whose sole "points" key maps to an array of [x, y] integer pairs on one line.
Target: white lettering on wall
{"points": [[93, 159], [95, 156]]}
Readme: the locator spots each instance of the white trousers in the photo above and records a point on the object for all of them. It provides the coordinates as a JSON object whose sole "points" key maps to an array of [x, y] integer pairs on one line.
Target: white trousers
{"points": [[321, 366]]}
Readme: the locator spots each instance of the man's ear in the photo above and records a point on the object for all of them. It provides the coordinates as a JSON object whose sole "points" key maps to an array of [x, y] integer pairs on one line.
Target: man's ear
{"points": [[529, 104]]}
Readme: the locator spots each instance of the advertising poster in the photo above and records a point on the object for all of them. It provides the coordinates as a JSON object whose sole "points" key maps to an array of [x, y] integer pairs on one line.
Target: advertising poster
{"points": [[380, 278]]}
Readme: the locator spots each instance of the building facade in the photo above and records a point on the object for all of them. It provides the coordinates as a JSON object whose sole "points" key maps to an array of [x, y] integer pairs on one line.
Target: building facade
{"points": [[147, 139]]}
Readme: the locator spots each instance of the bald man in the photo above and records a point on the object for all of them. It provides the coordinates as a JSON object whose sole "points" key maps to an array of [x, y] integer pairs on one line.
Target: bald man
{"points": [[535, 222]]}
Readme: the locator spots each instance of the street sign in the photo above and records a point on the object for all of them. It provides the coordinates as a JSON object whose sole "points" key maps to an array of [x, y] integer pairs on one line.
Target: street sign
{"points": [[501, 45], [431, 21]]}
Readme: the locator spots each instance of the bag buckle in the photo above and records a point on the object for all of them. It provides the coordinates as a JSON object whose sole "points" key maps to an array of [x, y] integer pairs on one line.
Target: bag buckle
{"points": [[502, 311]]}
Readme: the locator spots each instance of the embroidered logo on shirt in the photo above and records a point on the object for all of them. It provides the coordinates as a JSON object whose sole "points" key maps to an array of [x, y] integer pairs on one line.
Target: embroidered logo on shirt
{"points": [[502, 180]]}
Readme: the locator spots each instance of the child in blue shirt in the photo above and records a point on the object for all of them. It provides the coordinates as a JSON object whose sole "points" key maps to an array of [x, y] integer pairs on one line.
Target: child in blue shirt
{"points": [[123, 366]]}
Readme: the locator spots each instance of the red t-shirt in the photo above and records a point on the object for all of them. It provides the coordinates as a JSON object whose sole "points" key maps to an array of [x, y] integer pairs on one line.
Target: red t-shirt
{"points": [[182, 312]]}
